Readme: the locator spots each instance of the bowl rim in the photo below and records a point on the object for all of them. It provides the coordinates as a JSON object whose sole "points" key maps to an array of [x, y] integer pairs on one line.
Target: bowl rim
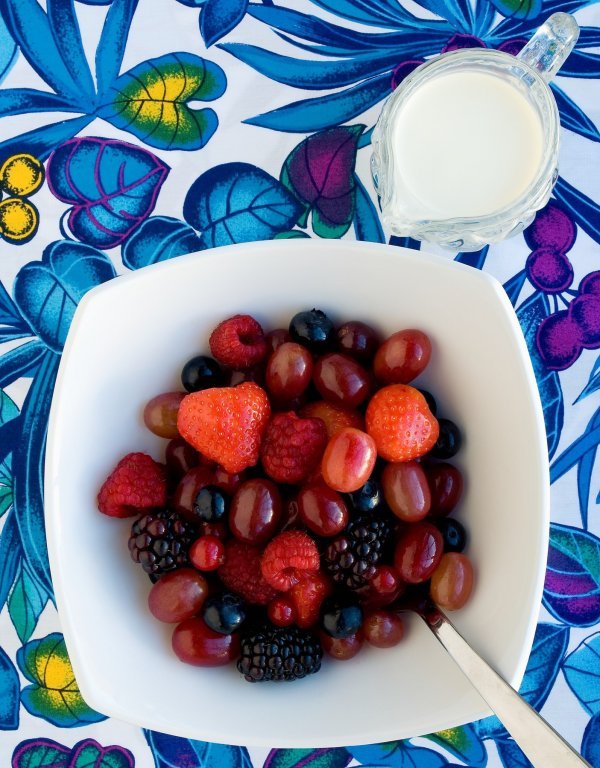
{"points": [[68, 625]]}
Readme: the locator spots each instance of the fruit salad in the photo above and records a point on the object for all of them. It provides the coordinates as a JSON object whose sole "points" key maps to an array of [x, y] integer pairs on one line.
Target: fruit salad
{"points": [[305, 498]]}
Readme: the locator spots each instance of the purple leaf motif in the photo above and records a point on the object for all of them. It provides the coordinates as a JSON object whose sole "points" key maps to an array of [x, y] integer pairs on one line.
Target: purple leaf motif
{"points": [[40, 753], [46, 753], [572, 586], [320, 173], [111, 185]]}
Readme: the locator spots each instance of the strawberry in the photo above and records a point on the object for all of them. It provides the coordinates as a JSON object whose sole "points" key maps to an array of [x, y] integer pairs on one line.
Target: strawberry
{"points": [[401, 424], [287, 558], [226, 424], [306, 597], [238, 342], [292, 447], [136, 484], [241, 573], [335, 417]]}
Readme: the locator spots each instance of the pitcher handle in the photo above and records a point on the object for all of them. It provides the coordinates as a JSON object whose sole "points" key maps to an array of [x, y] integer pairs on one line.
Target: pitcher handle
{"points": [[548, 49]]}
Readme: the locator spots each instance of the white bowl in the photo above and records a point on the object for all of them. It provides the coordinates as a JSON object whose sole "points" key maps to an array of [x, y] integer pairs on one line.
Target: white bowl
{"points": [[129, 340]]}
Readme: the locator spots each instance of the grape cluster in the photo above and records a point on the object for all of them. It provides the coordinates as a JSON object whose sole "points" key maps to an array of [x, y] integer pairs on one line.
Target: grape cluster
{"points": [[565, 333]]}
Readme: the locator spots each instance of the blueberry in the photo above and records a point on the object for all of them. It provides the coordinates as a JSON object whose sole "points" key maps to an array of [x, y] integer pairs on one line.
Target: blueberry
{"points": [[453, 533], [368, 497], [313, 329], [201, 372], [341, 616], [211, 504], [449, 440], [224, 613], [432, 405]]}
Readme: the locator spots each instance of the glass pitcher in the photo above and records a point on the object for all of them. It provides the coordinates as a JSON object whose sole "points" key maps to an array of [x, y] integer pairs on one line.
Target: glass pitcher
{"points": [[462, 223]]}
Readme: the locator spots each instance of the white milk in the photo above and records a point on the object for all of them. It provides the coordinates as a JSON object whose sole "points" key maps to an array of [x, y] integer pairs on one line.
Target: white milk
{"points": [[466, 144]]}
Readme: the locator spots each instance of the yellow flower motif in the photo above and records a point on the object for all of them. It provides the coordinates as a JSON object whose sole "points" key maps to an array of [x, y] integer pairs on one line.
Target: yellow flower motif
{"points": [[19, 220], [21, 175]]}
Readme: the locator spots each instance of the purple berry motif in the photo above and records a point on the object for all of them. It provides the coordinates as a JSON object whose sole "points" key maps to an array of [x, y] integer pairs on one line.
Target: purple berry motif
{"points": [[403, 70], [590, 283], [513, 46], [552, 228], [585, 311], [549, 271], [559, 340], [463, 41]]}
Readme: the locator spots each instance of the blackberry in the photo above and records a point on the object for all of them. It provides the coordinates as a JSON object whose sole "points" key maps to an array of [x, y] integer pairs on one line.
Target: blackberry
{"points": [[159, 542], [352, 556], [278, 654]]}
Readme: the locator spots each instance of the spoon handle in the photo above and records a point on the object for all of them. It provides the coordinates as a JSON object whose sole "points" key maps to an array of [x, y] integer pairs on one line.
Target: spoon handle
{"points": [[538, 740]]}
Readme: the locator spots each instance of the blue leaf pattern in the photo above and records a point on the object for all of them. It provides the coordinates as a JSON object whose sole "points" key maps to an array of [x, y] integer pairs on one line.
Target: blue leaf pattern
{"points": [[48, 291], [582, 673], [9, 693], [397, 754], [219, 17], [175, 752], [549, 646], [159, 238], [590, 745], [237, 203]]}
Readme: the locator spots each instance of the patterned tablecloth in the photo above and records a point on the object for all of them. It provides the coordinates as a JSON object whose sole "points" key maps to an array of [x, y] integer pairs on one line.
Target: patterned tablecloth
{"points": [[157, 128]]}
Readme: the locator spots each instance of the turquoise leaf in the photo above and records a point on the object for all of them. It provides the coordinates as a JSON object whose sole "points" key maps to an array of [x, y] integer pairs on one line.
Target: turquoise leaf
{"points": [[25, 604]]}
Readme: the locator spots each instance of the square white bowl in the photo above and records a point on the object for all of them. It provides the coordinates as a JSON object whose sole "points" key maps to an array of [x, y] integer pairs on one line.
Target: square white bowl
{"points": [[129, 340]]}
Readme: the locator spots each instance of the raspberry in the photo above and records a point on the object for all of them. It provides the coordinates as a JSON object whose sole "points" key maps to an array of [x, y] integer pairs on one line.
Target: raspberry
{"points": [[137, 483], [226, 424], [399, 420], [238, 342], [292, 447], [241, 573], [287, 558]]}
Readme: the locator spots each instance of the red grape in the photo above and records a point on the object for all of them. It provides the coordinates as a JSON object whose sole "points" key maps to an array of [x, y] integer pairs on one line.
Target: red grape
{"points": [[342, 648], [402, 357], [195, 643], [322, 510], [406, 490], [255, 511], [341, 380], [418, 552], [358, 340], [177, 595], [160, 414], [348, 460], [446, 485], [383, 629], [452, 581], [289, 371]]}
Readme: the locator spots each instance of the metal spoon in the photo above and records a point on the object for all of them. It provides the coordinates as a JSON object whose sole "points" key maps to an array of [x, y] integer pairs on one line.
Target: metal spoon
{"points": [[538, 740]]}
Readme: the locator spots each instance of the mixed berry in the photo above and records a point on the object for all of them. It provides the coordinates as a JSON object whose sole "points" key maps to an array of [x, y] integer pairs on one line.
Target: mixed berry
{"points": [[304, 498]]}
